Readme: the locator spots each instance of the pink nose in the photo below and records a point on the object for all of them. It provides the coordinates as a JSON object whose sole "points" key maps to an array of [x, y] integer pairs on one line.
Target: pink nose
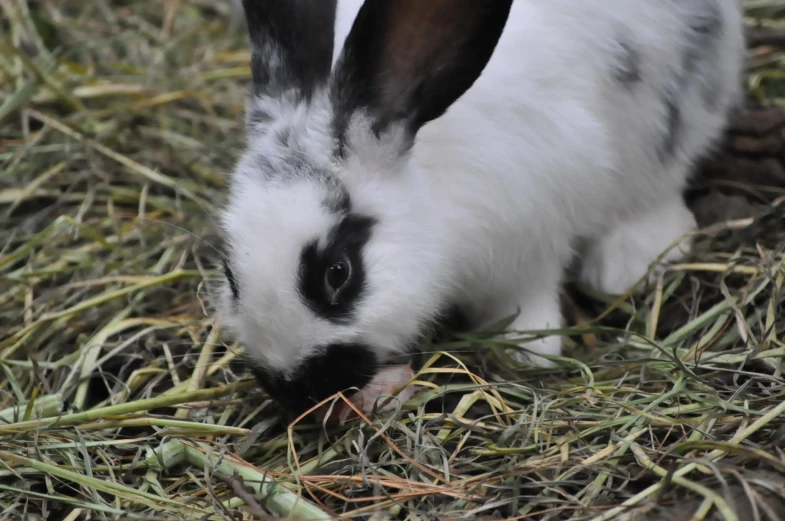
{"points": [[388, 381]]}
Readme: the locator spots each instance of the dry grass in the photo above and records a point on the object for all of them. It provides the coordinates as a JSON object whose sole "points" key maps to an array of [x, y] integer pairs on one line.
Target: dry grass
{"points": [[118, 120]]}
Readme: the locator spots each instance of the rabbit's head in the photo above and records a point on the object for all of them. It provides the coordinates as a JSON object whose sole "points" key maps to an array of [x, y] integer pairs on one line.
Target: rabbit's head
{"points": [[331, 269]]}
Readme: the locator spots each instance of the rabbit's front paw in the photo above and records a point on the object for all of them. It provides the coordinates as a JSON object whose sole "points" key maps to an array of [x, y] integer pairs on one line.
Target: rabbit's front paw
{"points": [[539, 313], [550, 345], [625, 254]]}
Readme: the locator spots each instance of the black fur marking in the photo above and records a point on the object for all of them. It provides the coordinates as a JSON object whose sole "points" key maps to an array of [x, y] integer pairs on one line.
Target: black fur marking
{"points": [[296, 162], [292, 164], [710, 94], [335, 368], [258, 118], [709, 23], [407, 61], [627, 69], [697, 62], [284, 136], [339, 201], [291, 43], [707, 31], [230, 279], [452, 319], [346, 240], [673, 122]]}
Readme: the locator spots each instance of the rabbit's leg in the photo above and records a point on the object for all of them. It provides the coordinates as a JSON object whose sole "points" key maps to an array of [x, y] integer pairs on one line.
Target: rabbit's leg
{"points": [[621, 257], [540, 309]]}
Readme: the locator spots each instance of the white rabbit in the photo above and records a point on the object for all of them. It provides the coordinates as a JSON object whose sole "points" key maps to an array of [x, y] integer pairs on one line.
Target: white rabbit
{"points": [[453, 153]]}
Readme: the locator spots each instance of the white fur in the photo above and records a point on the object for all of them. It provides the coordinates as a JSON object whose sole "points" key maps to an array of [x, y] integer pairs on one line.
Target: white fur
{"points": [[546, 149]]}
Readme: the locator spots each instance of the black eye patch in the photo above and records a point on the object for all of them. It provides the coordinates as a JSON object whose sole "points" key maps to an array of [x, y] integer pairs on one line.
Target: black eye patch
{"points": [[344, 245]]}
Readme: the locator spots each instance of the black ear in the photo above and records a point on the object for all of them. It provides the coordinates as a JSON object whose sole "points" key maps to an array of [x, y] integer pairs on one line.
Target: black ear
{"points": [[409, 60], [291, 44]]}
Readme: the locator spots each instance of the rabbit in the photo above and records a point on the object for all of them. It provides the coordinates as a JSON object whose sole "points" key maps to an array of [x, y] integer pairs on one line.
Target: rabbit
{"points": [[408, 158]]}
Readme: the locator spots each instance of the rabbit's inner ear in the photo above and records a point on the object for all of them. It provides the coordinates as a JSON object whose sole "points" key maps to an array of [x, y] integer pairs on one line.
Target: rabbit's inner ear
{"points": [[409, 60], [291, 44]]}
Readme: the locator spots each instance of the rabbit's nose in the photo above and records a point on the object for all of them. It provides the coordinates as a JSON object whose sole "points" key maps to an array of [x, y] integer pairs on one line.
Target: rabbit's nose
{"points": [[331, 369]]}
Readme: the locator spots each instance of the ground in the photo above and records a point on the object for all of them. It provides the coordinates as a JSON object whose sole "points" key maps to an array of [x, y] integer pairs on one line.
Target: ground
{"points": [[120, 400]]}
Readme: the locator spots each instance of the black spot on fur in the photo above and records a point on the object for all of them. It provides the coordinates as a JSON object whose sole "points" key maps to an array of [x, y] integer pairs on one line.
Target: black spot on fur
{"points": [[292, 163], [673, 123], [700, 52], [230, 279], [258, 118], [452, 318], [707, 32], [627, 69], [291, 43], [265, 165], [334, 368], [710, 93], [284, 136], [346, 241], [338, 201], [708, 23], [296, 162]]}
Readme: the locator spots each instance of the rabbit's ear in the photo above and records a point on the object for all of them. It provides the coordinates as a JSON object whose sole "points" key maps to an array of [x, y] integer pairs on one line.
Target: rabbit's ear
{"points": [[407, 61], [291, 44]]}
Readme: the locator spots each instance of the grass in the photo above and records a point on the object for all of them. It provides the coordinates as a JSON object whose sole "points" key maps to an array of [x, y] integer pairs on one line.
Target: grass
{"points": [[119, 399]]}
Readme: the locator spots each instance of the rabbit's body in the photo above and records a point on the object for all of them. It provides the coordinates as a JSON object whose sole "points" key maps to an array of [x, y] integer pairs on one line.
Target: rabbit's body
{"points": [[583, 127]]}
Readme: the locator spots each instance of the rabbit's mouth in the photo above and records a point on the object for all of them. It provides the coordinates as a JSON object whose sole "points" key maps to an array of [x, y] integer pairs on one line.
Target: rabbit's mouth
{"points": [[391, 387], [336, 368]]}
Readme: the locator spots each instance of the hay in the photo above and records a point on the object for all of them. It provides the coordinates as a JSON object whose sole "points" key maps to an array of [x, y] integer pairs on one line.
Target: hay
{"points": [[117, 400]]}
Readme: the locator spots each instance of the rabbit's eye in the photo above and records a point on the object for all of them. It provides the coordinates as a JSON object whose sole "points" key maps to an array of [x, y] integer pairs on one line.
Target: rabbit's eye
{"points": [[336, 277]]}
